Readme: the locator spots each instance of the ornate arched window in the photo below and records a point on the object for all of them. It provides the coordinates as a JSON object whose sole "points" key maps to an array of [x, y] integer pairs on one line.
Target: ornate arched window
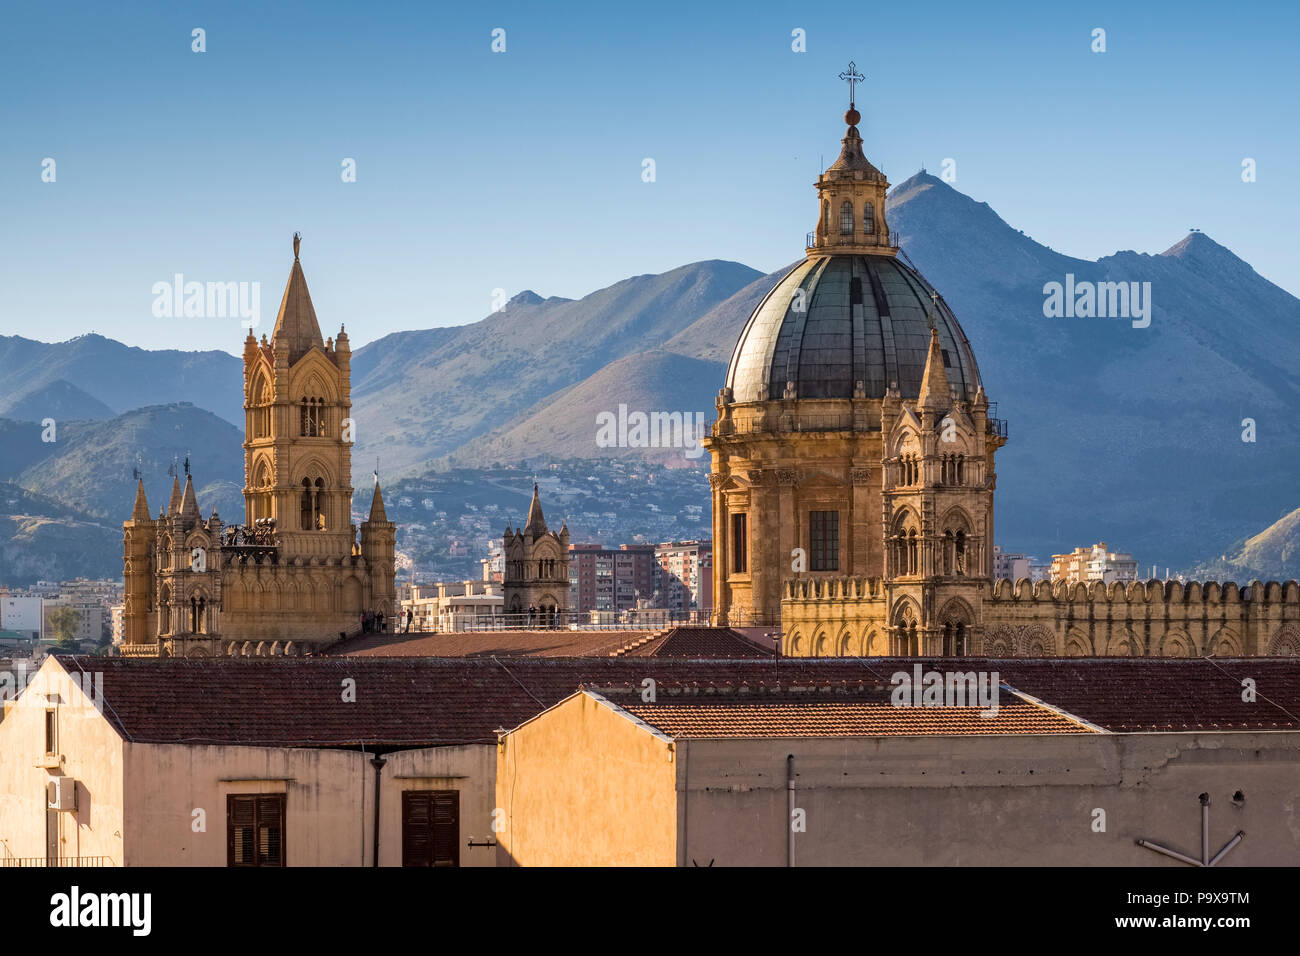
{"points": [[318, 505], [912, 563], [304, 418], [846, 219], [959, 552], [905, 640], [869, 219]]}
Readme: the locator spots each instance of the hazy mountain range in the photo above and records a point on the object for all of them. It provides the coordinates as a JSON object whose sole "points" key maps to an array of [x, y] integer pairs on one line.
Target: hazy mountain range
{"points": [[1128, 435]]}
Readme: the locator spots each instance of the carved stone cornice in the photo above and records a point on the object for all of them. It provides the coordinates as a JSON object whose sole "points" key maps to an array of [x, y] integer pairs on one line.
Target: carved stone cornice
{"points": [[787, 477]]}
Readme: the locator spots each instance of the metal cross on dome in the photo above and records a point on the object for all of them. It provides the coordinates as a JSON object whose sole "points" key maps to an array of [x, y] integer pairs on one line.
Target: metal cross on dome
{"points": [[852, 76]]}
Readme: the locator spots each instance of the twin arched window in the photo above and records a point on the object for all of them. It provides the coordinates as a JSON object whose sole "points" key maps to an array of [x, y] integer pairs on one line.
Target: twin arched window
{"points": [[259, 410], [952, 470], [906, 643], [904, 551], [954, 638], [846, 218], [956, 550], [311, 417], [909, 470], [313, 505]]}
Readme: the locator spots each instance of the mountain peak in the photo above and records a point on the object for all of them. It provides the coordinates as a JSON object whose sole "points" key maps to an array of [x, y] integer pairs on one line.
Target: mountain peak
{"points": [[918, 178], [1198, 249], [527, 297]]}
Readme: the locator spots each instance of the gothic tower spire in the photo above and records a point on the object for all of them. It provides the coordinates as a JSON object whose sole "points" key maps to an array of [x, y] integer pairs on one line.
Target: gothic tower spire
{"points": [[141, 510], [296, 328], [935, 394]]}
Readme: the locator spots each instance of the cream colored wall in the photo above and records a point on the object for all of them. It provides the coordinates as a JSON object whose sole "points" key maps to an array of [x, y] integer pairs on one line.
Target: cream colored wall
{"points": [[583, 785], [471, 770], [91, 753], [136, 802], [166, 784], [329, 809], [997, 801]]}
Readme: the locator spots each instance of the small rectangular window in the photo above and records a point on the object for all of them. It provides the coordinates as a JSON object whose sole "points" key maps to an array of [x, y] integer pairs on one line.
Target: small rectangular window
{"points": [[824, 543], [255, 829], [740, 543], [51, 733]]}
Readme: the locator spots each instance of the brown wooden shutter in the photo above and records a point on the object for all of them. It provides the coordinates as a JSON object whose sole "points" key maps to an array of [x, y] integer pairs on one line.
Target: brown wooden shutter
{"points": [[416, 827], [255, 829], [446, 828], [430, 828]]}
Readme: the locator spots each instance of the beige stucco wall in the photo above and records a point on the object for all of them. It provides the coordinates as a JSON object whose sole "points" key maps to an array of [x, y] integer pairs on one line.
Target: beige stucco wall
{"points": [[136, 802], [999, 801], [584, 785], [90, 753], [329, 811]]}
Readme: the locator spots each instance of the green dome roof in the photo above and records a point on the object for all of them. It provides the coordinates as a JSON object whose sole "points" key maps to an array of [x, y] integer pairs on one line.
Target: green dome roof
{"points": [[863, 319]]}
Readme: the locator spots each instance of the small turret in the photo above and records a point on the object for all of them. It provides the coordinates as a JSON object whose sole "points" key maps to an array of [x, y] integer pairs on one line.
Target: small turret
{"points": [[935, 393], [141, 510]]}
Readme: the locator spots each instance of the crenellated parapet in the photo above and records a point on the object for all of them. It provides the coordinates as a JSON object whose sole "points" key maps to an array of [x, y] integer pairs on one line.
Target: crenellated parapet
{"points": [[1143, 618]]}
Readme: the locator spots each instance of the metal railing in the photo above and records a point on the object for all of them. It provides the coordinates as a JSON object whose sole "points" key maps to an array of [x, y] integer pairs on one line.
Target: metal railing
{"points": [[801, 422], [874, 239]]}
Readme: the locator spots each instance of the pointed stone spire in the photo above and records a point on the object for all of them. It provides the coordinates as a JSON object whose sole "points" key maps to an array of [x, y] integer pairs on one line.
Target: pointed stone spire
{"points": [[536, 521], [934, 383], [174, 503], [141, 510], [296, 328], [190, 504], [377, 513]]}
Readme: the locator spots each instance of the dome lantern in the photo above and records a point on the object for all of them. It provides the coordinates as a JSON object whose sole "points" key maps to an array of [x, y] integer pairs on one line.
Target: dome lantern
{"points": [[851, 195]]}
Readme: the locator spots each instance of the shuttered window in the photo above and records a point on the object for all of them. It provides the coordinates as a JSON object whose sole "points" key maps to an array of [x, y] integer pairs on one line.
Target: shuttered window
{"points": [[255, 829], [430, 828]]}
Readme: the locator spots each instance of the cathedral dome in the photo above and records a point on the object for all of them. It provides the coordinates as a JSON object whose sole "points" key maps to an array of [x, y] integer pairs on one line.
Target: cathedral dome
{"points": [[836, 320]]}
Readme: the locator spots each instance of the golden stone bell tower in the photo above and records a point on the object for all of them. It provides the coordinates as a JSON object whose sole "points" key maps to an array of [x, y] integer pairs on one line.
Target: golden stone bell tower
{"points": [[293, 576]]}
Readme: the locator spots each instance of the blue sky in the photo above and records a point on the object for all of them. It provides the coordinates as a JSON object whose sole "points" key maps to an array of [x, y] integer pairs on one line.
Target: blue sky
{"points": [[520, 170]]}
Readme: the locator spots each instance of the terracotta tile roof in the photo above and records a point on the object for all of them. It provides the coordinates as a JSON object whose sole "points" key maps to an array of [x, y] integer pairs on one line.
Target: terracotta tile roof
{"points": [[1163, 694], [545, 643], [697, 642], [418, 701], [828, 710], [846, 720]]}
